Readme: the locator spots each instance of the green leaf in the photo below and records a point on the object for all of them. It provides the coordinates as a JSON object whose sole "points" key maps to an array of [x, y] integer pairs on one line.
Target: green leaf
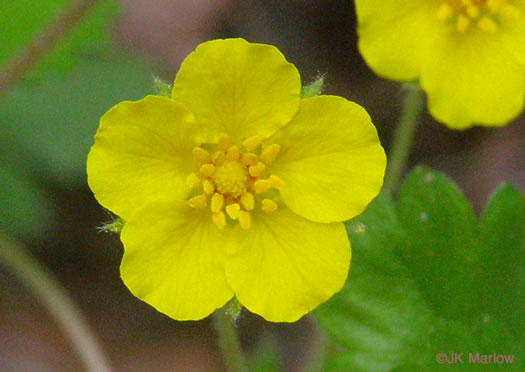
{"points": [[56, 120], [25, 210], [427, 278], [23, 20], [502, 235], [441, 254], [380, 315]]}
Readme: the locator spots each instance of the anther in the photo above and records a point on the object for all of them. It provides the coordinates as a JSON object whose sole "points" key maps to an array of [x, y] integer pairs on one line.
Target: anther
{"points": [[444, 12], [193, 180], [270, 153], [268, 205], [248, 201], [488, 25], [261, 186], [257, 169], [233, 210], [224, 142], [248, 158], [219, 219], [217, 201], [233, 153], [251, 143], [198, 201], [208, 187], [245, 220], [207, 169], [472, 11], [276, 181], [462, 23], [218, 158], [200, 155]]}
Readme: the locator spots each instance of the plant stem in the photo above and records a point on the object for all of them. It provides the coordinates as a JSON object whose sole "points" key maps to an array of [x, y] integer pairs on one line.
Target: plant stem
{"points": [[228, 340], [43, 43], [59, 304], [404, 135]]}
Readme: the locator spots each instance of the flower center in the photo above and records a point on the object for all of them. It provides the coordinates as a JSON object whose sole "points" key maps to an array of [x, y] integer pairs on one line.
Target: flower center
{"points": [[234, 179], [486, 15]]}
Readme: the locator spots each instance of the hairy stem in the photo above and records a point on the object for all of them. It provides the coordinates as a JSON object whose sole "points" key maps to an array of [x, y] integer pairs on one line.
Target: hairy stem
{"points": [[228, 340], [404, 136]]}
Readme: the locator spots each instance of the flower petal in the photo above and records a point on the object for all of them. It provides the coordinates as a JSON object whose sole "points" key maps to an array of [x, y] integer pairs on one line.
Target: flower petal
{"points": [[142, 152], [513, 32], [394, 35], [239, 88], [472, 78], [331, 161], [174, 260], [284, 265]]}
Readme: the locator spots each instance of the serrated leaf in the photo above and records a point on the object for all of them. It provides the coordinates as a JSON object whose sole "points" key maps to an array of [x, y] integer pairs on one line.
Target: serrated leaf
{"points": [[440, 253]]}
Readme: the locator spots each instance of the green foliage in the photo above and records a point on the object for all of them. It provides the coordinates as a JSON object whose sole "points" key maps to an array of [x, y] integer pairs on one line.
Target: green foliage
{"points": [[23, 20], [427, 277]]}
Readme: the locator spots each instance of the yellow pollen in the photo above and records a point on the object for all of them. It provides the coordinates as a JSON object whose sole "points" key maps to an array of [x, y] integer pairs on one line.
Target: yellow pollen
{"points": [[268, 205], [262, 186], [218, 157], [193, 180], [200, 155], [276, 181], [472, 11], [462, 23], [445, 11], [270, 153], [248, 201], [233, 210], [208, 187], [230, 178], [219, 219], [233, 153], [488, 25], [257, 169], [249, 159], [198, 201], [251, 143], [224, 142], [217, 201], [207, 170], [245, 220]]}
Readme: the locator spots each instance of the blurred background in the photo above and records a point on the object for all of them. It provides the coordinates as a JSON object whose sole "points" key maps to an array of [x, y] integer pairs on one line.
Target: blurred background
{"points": [[47, 122]]}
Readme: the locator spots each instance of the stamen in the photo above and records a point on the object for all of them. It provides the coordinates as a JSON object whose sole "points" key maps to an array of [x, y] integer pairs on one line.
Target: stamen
{"points": [[217, 201], [248, 159], [462, 23], [488, 25], [233, 153], [248, 201], [257, 169], [200, 155], [270, 153], [208, 187], [218, 158], [276, 181], [268, 205], [261, 186], [233, 210], [207, 170], [245, 220], [193, 180], [251, 143], [219, 219], [445, 12], [198, 201], [472, 11], [224, 142]]}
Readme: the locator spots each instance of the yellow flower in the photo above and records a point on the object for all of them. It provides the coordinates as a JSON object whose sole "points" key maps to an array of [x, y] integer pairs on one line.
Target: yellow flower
{"points": [[469, 55], [235, 186]]}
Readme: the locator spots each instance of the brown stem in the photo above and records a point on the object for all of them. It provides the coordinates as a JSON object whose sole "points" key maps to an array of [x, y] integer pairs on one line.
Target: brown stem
{"points": [[15, 69]]}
